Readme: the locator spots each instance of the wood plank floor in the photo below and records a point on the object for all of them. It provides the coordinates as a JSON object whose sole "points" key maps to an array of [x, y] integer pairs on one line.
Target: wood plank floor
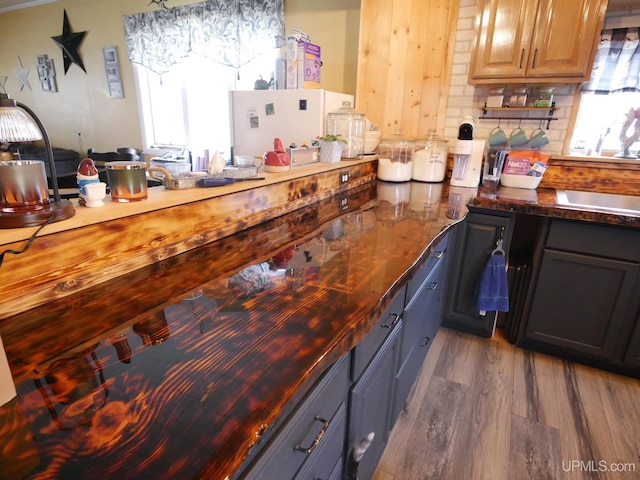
{"points": [[484, 409]]}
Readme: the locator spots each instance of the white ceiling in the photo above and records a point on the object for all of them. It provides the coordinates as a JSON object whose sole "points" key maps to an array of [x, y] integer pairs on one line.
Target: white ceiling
{"points": [[8, 5]]}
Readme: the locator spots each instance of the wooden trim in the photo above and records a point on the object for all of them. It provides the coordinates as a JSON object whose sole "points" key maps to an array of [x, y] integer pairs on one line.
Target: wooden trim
{"points": [[73, 259]]}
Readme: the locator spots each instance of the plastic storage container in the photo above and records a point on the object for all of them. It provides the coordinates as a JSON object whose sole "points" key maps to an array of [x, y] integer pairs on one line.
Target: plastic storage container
{"points": [[495, 99], [395, 158], [430, 159], [518, 98], [351, 126], [545, 98]]}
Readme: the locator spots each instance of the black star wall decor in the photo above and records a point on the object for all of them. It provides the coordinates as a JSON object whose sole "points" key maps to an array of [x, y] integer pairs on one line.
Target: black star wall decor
{"points": [[69, 42]]}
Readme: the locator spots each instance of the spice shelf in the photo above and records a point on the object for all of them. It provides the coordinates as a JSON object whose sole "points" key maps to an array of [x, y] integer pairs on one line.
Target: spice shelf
{"points": [[523, 113]]}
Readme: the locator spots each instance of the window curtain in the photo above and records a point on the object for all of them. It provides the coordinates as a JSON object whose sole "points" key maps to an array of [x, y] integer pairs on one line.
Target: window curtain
{"points": [[617, 64], [230, 32]]}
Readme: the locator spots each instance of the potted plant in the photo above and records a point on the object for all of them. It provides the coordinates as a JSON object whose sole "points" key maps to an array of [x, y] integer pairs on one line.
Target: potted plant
{"points": [[331, 147]]}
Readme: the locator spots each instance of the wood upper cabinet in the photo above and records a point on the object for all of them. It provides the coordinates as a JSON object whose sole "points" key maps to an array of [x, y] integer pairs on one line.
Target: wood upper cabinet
{"points": [[536, 41]]}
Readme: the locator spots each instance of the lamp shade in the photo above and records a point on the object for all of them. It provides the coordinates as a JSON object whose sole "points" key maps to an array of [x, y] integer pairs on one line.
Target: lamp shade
{"points": [[17, 126], [18, 123]]}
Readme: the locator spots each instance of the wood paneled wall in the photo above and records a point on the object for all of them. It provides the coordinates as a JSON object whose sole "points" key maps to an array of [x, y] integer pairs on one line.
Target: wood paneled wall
{"points": [[404, 63]]}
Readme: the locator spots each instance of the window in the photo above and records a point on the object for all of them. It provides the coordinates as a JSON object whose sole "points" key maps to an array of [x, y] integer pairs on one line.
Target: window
{"points": [[599, 123], [189, 105], [607, 123]]}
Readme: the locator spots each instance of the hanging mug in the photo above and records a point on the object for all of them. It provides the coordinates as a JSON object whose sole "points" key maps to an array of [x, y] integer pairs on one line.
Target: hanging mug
{"points": [[518, 137], [497, 137], [538, 138]]}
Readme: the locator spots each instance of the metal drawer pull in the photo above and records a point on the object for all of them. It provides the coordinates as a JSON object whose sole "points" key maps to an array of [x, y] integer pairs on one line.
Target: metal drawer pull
{"points": [[438, 254], [432, 286], [521, 58], [315, 442], [396, 317], [535, 56]]}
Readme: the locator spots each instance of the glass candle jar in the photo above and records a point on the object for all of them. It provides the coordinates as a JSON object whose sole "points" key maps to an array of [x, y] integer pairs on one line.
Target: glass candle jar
{"points": [[395, 158], [430, 159], [127, 181]]}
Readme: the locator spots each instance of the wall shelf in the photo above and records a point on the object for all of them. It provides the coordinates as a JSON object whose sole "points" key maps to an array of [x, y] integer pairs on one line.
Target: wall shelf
{"points": [[520, 113]]}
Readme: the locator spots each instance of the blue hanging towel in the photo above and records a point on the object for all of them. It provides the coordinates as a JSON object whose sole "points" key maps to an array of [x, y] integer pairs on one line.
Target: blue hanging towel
{"points": [[493, 288]]}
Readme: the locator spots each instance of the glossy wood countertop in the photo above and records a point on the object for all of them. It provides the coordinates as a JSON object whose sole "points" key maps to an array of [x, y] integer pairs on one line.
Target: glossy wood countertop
{"points": [[183, 368], [543, 202]]}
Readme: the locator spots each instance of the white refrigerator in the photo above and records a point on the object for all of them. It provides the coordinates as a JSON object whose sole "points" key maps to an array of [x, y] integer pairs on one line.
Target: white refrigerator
{"points": [[294, 116]]}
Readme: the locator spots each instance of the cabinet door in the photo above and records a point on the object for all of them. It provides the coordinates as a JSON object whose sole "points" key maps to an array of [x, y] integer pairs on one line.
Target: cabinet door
{"points": [[421, 321], [475, 238], [502, 44], [312, 439], [580, 302], [632, 354], [563, 40], [370, 404], [537, 41]]}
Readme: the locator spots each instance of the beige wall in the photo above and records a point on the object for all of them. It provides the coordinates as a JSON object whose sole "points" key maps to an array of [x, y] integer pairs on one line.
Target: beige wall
{"points": [[83, 115]]}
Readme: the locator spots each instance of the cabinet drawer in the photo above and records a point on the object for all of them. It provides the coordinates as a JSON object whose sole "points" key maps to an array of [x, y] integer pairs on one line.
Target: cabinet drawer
{"points": [[421, 316], [364, 352], [610, 242], [320, 416], [436, 257]]}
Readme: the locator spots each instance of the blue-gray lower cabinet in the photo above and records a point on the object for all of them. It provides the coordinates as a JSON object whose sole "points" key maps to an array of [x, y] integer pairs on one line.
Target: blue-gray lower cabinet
{"points": [[584, 300], [310, 443], [475, 239], [421, 319], [632, 353], [370, 404]]}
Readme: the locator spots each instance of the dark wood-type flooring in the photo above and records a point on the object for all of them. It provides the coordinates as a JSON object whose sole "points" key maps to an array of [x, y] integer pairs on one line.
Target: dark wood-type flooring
{"points": [[484, 409]]}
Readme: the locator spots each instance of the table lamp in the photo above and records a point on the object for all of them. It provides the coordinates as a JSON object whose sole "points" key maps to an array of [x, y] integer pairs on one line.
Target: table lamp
{"points": [[24, 193]]}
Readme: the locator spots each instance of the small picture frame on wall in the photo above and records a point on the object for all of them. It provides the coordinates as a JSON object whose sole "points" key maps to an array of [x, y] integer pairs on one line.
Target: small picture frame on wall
{"points": [[110, 55], [115, 89], [113, 73], [47, 74], [112, 70]]}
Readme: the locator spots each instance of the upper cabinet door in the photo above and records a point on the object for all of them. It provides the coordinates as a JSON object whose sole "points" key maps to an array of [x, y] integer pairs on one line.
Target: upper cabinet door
{"points": [[563, 41], [503, 39], [536, 42]]}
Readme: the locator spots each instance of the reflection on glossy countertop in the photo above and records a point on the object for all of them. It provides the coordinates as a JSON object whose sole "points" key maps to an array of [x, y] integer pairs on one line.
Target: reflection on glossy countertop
{"points": [[181, 369]]}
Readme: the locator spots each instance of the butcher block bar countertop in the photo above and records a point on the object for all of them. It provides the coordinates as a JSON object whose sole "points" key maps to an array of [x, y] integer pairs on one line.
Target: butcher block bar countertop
{"points": [[99, 244], [180, 368]]}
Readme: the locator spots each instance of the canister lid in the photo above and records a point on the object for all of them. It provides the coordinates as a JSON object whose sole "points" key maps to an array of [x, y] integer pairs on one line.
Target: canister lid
{"points": [[125, 165], [346, 109]]}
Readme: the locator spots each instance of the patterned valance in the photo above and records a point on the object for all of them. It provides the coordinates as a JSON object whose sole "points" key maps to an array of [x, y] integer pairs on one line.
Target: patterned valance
{"points": [[617, 64], [231, 32]]}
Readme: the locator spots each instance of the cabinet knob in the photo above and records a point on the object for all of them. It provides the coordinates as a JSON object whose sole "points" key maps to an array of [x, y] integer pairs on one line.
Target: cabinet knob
{"points": [[395, 318], [432, 286], [437, 254]]}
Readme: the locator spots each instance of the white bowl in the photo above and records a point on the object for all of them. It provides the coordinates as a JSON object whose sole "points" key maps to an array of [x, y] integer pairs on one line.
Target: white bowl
{"points": [[520, 181], [371, 140]]}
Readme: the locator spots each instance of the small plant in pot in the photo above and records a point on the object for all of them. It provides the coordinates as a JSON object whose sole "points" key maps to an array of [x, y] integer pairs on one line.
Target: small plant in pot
{"points": [[331, 148]]}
